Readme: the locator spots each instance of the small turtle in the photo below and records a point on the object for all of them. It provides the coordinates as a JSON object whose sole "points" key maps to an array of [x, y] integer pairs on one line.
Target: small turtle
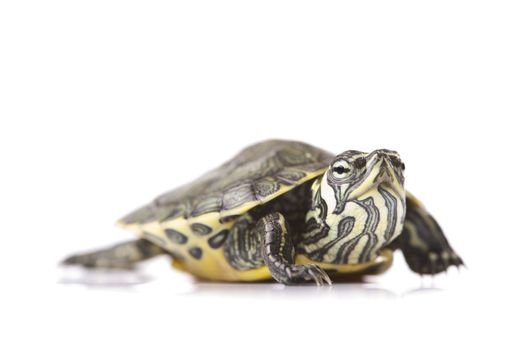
{"points": [[286, 210]]}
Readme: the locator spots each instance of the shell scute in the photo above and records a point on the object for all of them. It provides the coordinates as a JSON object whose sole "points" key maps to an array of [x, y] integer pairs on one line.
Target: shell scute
{"points": [[256, 175], [290, 176], [237, 195], [265, 188]]}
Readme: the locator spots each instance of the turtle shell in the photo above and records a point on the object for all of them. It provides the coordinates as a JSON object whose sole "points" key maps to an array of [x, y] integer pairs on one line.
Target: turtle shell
{"points": [[256, 175]]}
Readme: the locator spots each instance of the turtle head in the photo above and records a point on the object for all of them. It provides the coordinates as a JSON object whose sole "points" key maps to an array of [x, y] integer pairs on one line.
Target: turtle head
{"points": [[355, 175], [357, 208]]}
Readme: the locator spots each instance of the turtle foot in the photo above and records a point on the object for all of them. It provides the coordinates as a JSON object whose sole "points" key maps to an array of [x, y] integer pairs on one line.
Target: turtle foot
{"points": [[431, 263], [298, 274]]}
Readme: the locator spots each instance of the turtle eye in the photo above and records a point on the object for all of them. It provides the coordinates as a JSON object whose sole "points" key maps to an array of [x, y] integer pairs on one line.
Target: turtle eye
{"points": [[341, 169]]}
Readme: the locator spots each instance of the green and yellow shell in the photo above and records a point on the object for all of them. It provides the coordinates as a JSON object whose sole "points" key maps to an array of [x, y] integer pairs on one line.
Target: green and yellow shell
{"points": [[193, 222]]}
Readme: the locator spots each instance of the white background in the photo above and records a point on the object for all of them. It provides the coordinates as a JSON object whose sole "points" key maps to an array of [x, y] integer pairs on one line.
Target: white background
{"points": [[105, 104]]}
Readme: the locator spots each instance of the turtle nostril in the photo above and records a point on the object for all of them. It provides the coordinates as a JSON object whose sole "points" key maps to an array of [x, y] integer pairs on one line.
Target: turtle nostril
{"points": [[395, 161], [381, 153]]}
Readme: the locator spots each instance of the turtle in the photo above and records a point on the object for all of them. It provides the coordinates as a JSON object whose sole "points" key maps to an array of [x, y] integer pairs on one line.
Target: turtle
{"points": [[285, 210]]}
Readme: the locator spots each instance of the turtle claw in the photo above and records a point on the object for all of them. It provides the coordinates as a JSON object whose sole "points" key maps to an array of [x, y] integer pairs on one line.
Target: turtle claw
{"points": [[431, 263], [324, 278], [306, 273]]}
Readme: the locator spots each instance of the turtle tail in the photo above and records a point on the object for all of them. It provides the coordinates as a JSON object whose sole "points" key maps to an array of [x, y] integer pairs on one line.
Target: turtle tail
{"points": [[120, 256]]}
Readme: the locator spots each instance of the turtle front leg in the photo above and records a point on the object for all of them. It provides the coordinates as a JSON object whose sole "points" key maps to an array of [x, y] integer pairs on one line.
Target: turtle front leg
{"points": [[278, 253], [423, 243], [269, 243]]}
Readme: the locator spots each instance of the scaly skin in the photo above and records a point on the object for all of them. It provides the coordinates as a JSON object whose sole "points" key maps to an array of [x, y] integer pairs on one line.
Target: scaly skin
{"points": [[423, 243]]}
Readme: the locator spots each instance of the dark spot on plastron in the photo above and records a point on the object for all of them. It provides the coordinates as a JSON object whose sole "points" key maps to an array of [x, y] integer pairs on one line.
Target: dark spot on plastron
{"points": [[216, 241], [176, 236], [200, 229], [195, 252]]}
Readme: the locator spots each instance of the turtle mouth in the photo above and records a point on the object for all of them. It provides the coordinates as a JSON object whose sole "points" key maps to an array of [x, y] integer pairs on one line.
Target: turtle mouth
{"points": [[385, 173], [389, 166]]}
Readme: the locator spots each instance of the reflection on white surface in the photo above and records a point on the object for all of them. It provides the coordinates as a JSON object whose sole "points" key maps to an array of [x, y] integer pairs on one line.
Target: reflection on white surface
{"points": [[184, 285], [104, 278], [155, 306]]}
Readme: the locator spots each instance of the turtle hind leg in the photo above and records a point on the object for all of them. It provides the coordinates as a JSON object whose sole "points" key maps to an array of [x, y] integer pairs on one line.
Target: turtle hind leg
{"points": [[424, 246], [120, 256]]}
